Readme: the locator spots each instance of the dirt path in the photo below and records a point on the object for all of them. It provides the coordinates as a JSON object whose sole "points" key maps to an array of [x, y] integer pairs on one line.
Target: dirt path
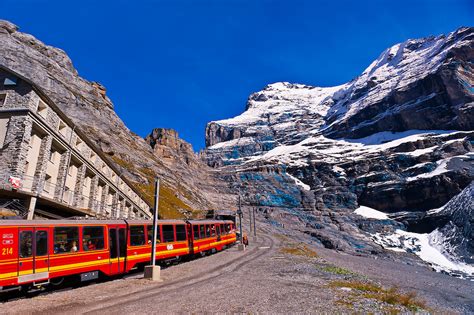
{"points": [[274, 275]]}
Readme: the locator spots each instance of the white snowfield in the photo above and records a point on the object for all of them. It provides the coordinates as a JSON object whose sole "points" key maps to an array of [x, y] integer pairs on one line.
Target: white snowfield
{"points": [[288, 120], [371, 213], [429, 247], [396, 68], [337, 151], [285, 98]]}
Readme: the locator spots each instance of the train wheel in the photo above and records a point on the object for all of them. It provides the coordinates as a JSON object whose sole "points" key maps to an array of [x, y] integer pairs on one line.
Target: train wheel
{"points": [[57, 281]]}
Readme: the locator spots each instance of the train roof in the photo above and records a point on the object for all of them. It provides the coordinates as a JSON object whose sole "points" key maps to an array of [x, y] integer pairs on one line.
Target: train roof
{"points": [[101, 222], [209, 221], [83, 222]]}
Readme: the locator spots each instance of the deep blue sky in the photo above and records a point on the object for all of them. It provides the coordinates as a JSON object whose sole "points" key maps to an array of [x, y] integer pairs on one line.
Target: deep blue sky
{"points": [[179, 64]]}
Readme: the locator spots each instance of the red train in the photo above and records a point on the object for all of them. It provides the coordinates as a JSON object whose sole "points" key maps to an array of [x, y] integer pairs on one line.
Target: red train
{"points": [[38, 253]]}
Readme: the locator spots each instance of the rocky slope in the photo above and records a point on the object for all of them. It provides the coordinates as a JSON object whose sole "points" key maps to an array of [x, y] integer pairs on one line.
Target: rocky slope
{"points": [[399, 139], [87, 104]]}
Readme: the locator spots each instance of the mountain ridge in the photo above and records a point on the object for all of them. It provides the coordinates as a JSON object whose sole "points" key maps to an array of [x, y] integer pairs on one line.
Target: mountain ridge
{"points": [[398, 139]]}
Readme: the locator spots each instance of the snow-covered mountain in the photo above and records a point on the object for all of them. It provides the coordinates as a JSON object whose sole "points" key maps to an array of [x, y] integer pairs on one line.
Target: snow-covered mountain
{"points": [[399, 138]]}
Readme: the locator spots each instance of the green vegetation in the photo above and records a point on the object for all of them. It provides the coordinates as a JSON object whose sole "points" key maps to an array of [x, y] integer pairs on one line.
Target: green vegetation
{"points": [[122, 163], [299, 250], [169, 202], [390, 296], [337, 270]]}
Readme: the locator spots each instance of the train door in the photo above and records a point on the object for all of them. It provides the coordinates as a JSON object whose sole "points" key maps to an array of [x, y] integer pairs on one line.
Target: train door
{"points": [[117, 249], [33, 256]]}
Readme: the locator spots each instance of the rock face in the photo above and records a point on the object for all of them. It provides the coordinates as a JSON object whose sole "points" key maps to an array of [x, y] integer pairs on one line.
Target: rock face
{"points": [[167, 144], [87, 104], [456, 237], [398, 138]]}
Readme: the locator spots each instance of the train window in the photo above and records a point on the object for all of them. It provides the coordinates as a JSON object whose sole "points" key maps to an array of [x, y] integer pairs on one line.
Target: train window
{"points": [[227, 227], [41, 243], [26, 244], [208, 231], [92, 238], [180, 232], [213, 230], [137, 235], [168, 233], [149, 229], [66, 239], [202, 230], [218, 229], [196, 231]]}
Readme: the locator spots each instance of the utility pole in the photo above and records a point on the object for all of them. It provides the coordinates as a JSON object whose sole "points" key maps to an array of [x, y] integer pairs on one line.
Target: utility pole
{"points": [[155, 221], [152, 271], [239, 212], [254, 226], [250, 220]]}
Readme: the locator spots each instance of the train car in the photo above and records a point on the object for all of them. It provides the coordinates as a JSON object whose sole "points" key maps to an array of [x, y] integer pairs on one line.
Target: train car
{"points": [[171, 241], [36, 253], [41, 252], [210, 235]]}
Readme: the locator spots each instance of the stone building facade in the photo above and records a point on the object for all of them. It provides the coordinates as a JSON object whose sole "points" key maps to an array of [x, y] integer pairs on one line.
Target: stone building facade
{"points": [[49, 163]]}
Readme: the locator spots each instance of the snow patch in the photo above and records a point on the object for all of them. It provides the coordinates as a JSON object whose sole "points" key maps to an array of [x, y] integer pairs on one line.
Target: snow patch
{"points": [[299, 182], [371, 213], [440, 169], [429, 247]]}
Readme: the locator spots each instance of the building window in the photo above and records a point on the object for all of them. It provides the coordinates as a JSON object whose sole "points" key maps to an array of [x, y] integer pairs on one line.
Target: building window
{"points": [[42, 108], [62, 128], [70, 170], [78, 143], [47, 184], [52, 156], [3, 130], [10, 81]]}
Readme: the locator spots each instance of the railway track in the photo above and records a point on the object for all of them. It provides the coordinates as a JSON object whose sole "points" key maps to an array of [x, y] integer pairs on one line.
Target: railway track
{"points": [[265, 246]]}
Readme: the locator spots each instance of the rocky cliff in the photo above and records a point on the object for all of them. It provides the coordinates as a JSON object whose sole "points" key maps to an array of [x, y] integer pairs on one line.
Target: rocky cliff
{"points": [[398, 139], [87, 104]]}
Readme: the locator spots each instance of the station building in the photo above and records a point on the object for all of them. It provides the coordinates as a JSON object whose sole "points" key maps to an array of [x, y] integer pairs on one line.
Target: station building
{"points": [[51, 166]]}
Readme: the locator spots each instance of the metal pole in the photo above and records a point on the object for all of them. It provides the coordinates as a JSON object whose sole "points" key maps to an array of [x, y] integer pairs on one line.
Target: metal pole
{"points": [[254, 227], [250, 220], [240, 219], [155, 221]]}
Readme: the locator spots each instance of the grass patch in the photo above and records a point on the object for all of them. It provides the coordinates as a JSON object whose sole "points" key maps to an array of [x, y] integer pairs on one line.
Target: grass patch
{"points": [[391, 296], [125, 164], [338, 270], [169, 204], [299, 250]]}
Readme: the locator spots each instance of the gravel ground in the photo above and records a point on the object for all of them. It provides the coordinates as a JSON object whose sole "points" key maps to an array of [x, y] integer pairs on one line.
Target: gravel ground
{"points": [[274, 275]]}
